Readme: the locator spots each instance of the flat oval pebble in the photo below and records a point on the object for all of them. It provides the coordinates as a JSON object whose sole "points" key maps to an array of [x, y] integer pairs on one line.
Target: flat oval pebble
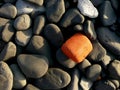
{"points": [[55, 10], [55, 78], [87, 9], [19, 80], [22, 22], [64, 60], [33, 66], [53, 33], [72, 17], [22, 37], [6, 77], [39, 23], [38, 2], [9, 51], [107, 14], [8, 11], [109, 39]]}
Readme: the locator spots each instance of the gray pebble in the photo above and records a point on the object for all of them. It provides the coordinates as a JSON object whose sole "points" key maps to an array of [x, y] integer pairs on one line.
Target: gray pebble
{"points": [[33, 66], [78, 27], [8, 32], [22, 22], [114, 69], [84, 64], [37, 2], [39, 23], [39, 45], [54, 10], [87, 9], [109, 39], [74, 84], [6, 77], [8, 11], [72, 17], [107, 14], [9, 51], [31, 87], [64, 60], [90, 30], [53, 33], [93, 72], [24, 7], [19, 80], [98, 52], [55, 78], [23, 37]]}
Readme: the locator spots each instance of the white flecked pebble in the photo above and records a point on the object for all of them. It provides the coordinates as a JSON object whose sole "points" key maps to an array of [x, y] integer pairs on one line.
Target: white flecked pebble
{"points": [[24, 7], [87, 8]]}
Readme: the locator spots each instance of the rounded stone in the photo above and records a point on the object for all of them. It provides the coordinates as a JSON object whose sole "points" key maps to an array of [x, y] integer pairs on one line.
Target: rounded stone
{"points": [[6, 77], [33, 66], [64, 60], [93, 72], [53, 33], [38, 2], [22, 22], [19, 80], [8, 11], [31, 87], [55, 78]]}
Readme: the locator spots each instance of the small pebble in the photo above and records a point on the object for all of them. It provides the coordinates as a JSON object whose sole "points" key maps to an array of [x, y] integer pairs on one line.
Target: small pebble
{"points": [[55, 78], [6, 77], [78, 27], [37, 2], [8, 11], [31, 87], [22, 22], [9, 51], [55, 10], [87, 8], [72, 17], [23, 37], [33, 66], [53, 33], [19, 80]]}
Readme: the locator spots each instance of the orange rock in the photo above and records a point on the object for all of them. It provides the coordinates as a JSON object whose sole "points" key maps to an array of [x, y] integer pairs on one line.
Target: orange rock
{"points": [[77, 47]]}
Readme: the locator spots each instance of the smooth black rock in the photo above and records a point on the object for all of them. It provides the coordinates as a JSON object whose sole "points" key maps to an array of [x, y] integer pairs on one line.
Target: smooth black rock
{"points": [[109, 39], [33, 66], [53, 33], [107, 14], [55, 78], [98, 52], [64, 60], [97, 2], [114, 69], [115, 4], [54, 10], [93, 72], [90, 30], [72, 17]]}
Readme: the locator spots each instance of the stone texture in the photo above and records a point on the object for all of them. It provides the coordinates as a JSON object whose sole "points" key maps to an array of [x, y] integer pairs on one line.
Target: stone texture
{"points": [[39, 23], [78, 27], [97, 2], [19, 80], [87, 9], [6, 77], [53, 33], [33, 66], [98, 52], [38, 2], [31, 87], [8, 11], [54, 10], [8, 32], [115, 4], [72, 17], [39, 45], [23, 37], [24, 7], [107, 14], [109, 39], [55, 78], [64, 60], [22, 22], [9, 51]]}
